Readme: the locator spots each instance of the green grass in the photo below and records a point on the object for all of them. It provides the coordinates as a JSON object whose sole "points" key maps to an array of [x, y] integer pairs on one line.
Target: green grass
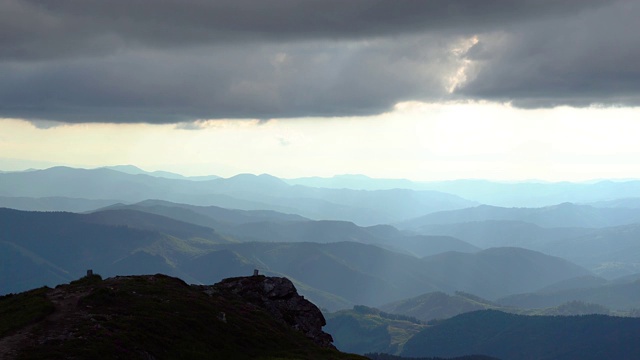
{"points": [[19, 310], [366, 329]]}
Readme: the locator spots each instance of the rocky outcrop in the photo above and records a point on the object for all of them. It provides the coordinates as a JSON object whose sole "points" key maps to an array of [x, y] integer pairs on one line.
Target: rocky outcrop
{"points": [[279, 297]]}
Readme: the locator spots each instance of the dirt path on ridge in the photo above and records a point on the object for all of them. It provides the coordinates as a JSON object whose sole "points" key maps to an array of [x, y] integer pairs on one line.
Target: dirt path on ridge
{"points": [[59, 325]]}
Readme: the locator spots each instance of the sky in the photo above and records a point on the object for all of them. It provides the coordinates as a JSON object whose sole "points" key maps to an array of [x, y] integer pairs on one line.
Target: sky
{"points": [[425, 90]]}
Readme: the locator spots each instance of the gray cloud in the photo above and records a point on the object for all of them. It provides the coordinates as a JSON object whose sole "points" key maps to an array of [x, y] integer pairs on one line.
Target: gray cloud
{"points": [[35, 29], [177, 61], [591, 58], [322, 79]]}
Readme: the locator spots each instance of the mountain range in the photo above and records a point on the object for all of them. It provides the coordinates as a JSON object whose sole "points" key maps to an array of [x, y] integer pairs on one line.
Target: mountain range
{"points": [[245, 192], [350, 242], [63, 245], [271, 226]]}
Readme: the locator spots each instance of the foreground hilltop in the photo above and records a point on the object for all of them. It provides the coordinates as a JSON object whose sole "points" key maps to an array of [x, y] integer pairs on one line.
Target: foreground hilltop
{"points": [[160, 317]]}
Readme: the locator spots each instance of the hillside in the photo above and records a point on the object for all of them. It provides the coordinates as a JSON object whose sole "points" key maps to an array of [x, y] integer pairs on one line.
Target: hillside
{"points": [[147, 221], [211, 216], [48, 248], [561, 215], [159, 317], [609, 252], [438, 305], [509, 336], [618, 296], [330, 231], [499, 233], [364, 329], [499, 270]]}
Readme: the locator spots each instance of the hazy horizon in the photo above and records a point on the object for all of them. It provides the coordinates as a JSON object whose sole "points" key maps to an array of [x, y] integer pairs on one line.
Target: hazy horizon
{"points": [[334, 176]]}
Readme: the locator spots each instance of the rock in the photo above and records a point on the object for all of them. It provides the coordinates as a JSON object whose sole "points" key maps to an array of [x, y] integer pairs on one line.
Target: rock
{"points": [[279, 297]]}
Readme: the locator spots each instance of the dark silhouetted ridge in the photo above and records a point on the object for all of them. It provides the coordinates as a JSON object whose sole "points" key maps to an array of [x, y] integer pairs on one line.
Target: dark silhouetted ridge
{"points": [[160, 317]]}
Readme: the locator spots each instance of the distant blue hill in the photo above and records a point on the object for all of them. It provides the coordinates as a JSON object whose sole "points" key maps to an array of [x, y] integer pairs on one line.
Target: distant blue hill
{"points": [[244, 192], [532, 193]]}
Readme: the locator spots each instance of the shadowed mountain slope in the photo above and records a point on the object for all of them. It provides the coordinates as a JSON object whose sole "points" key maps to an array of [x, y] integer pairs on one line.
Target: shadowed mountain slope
{"points": [[342, 273], [46, 247], [499, 233], [610, 252], [370, 275], [363, 329], [619, 296], [146, 221], [438, 305], [509, 336], [515, 268]]}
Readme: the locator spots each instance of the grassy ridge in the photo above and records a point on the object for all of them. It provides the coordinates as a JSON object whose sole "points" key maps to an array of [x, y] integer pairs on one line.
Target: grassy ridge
{"points": [[19, 310], [141, 317]]}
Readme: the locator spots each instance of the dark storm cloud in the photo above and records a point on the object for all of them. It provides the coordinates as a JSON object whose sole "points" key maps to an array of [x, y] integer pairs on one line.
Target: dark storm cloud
{"points": [[34, 29], [322, 79], [176, 61], [591, 58]]}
